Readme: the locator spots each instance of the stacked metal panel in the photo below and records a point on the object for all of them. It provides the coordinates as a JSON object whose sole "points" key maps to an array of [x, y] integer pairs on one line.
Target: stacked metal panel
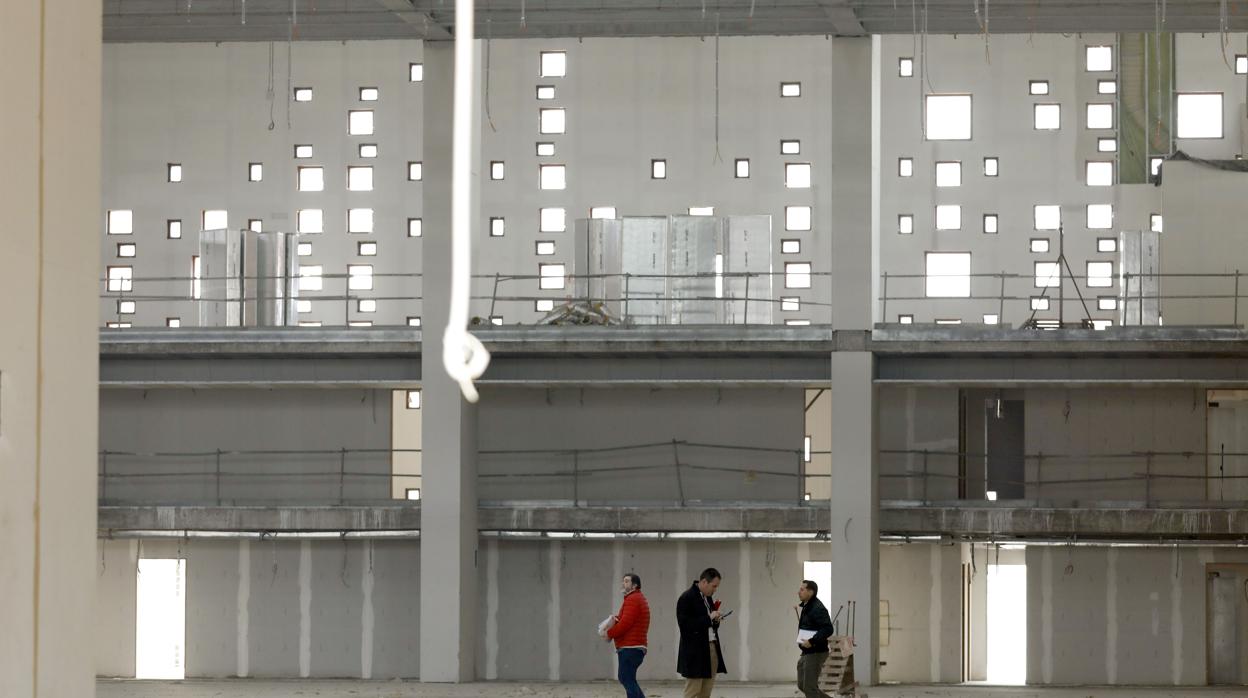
{"points": [[247, 279], [1139, 264], [747, 262], [655, 270]]}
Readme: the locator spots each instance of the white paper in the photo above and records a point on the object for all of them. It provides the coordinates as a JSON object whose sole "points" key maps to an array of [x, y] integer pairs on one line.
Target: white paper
{"points": [[606, 625], [804, 635]]}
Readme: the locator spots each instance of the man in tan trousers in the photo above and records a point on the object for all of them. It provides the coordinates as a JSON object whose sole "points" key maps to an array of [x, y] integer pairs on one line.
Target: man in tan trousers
{"points": [[700, 657]]}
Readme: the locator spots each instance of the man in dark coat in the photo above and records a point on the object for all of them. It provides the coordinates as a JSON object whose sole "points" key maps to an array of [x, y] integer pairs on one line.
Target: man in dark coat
{"points": [[700, 657], [812, 621]]}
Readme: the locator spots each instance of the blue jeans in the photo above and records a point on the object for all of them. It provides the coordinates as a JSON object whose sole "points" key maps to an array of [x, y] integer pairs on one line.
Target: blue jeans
{"points": [[630, 658]]}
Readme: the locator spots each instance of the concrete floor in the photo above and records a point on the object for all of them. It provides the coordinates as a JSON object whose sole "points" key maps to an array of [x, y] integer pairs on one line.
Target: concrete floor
{"points": [[254, 688]]}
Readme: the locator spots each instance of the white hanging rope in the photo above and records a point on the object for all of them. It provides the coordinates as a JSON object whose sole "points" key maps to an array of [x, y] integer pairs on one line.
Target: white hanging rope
{"points": [[463, 355]]}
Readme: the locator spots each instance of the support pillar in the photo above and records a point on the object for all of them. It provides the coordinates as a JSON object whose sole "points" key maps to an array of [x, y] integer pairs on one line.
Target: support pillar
{"points": [[448, 517], [855, 271], [49, 351]]}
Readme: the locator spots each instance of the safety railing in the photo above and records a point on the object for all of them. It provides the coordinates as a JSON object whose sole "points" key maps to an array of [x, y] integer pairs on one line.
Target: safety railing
{"points": [[395, 299], [1048, 302], [1150, 477], [682, 471]]}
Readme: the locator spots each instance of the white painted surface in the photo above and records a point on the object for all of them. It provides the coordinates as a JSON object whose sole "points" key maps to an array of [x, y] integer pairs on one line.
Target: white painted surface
{"points": [[367, 618], [305, 608], [243, 618]]}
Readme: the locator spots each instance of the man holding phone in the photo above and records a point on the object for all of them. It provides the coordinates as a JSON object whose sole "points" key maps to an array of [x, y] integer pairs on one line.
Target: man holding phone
{"points": [[700, 657]]}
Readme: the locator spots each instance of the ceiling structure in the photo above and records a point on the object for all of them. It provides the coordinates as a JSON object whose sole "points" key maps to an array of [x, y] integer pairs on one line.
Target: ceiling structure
{"points": [[270, 20]]}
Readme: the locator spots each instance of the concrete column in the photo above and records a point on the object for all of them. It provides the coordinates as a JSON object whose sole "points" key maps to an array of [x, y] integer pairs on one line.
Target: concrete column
{"points": [[855, 267], [448, 517], [49, 353]]}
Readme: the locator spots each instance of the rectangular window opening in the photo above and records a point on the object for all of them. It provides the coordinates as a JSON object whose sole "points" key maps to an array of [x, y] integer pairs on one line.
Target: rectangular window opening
{"points": [[797, 274], [948, 275], [948, 118]]}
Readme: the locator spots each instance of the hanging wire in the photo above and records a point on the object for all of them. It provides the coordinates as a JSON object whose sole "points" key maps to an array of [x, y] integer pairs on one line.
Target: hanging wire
{"points": [[489, 36], [343, 573], [927, 78], [1223, 24], [751, 16], [523, 22], [290, 69], [987, 35], [718, 157], [244, 11], [269, 94]]}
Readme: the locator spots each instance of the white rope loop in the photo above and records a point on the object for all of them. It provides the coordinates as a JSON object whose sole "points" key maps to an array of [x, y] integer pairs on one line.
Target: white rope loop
{"points": [[463, 355]]}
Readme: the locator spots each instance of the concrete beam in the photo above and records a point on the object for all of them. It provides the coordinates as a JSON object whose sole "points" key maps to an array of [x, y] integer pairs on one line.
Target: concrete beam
{"points": [[843, 18], [978, 521]]}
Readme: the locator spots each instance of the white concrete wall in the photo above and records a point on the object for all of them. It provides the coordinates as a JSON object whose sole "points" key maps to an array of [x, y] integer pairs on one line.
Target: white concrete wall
{"points": [[540, 604], [1036, 167], [137, 425], [245, 614], [1118, 616], [629, 101], [1065, 422], [920, 637], [1071, 426], [1204, 208], [143, 423], [522, 420], [205, 106]]}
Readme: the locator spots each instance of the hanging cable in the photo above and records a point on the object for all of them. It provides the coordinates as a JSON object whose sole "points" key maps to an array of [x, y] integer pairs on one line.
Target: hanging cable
{"points": [[718, 157], [489, 35], [290, 60], [927, 78], [1223, 24], [244, 11], [523, 22], [463, 355], [987, 35], [269, 94]]}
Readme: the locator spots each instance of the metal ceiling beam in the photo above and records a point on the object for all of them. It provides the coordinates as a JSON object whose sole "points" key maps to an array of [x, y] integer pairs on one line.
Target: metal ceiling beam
{"points": [[844, 19], [432, 30]]}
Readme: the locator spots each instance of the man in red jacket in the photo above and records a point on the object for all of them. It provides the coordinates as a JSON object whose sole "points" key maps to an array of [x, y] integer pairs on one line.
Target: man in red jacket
{"points": [[632, 624]]}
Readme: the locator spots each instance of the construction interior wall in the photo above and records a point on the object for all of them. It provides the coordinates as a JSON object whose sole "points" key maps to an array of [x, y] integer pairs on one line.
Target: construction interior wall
{"points": [[278, 445], [1102, 615], [286, 445], [518, 429], [1080, 443], [335, 608]]}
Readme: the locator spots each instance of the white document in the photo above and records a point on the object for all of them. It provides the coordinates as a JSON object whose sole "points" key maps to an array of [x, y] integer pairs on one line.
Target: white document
{"points": [[804, 635], [606, 625]]}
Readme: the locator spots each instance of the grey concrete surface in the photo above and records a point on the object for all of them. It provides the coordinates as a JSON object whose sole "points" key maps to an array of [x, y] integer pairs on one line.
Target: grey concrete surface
{"points": [[724, 689]]}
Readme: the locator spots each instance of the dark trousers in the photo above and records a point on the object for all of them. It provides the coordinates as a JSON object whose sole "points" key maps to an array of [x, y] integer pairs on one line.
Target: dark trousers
{"points": [[630, 659], [808, 668]]}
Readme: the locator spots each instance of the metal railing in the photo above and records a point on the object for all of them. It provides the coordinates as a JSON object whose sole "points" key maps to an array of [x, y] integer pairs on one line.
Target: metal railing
{"points": [[1204, 299], [689, 471], [1141, 476], [707, 298], [355, 475]]}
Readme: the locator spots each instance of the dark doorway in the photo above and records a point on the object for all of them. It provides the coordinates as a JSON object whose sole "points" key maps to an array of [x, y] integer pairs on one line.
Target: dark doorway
{"points": [[1004, 463]]}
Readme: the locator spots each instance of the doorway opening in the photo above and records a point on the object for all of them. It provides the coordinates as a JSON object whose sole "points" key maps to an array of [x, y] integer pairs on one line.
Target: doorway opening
{"points": [[1007, 623], [160, 620]]}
